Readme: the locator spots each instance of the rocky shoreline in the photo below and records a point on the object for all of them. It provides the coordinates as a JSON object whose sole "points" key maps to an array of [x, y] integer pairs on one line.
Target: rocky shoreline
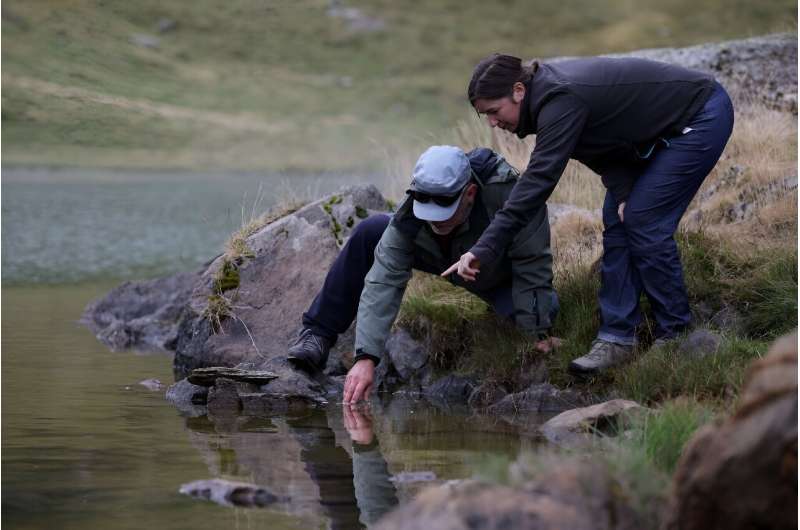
{"points": [[240, 310]]}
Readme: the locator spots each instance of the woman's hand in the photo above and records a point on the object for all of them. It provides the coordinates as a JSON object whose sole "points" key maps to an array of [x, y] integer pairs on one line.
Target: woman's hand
{"points": [[467, 267], [621, 211]]}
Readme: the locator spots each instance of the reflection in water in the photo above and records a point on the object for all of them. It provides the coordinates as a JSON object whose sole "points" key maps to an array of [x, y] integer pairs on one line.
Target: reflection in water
{"points": [[332, 463], [87, 448], [309, 458]]}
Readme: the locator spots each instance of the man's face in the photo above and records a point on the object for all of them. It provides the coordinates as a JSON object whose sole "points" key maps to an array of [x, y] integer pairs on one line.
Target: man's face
{"points": [[461, 214], [503, 112]]}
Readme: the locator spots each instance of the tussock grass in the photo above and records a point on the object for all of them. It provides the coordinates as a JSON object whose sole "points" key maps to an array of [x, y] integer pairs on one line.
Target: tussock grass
{"points": [[757, 280], [664, 373], [664, 433], [500, 353], [221, 302], [443, 314], [770, 296], [235, 247]]}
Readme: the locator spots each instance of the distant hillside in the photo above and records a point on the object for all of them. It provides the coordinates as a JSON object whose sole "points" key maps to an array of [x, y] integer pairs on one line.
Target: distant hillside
{"points": [[306, 84]]}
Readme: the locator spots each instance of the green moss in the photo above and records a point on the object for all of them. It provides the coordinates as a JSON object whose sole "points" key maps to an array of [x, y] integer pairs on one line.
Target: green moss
{"points": [[361, 212], [218, 306], [227, 277], [337, 231], [350, 222]]}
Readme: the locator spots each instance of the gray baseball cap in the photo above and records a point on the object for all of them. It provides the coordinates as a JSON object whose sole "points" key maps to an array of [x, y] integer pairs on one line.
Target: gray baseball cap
{"points": [[441, 173]]}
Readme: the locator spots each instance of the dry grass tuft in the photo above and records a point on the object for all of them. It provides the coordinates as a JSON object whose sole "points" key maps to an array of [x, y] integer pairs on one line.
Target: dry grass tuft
{"points": [[236, 247]]}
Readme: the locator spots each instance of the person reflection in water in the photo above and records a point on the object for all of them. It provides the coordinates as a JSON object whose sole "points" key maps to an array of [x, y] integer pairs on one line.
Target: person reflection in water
{"points": [[375, 493], [352, 493]]}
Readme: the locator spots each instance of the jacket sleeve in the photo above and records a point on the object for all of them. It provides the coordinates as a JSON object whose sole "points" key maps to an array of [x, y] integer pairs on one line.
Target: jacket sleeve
{"points": [[383, 291], [560, 124], [531, 265], [375, 492], [619, 181], [532, 276]]}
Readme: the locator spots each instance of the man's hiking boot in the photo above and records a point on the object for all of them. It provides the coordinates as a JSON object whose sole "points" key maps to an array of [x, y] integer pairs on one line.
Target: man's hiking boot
{"points": [[602, 356], [309, 352]]}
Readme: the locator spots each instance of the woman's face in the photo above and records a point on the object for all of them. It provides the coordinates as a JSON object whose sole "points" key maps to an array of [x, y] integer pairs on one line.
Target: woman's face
{"points": [[503, 112]]}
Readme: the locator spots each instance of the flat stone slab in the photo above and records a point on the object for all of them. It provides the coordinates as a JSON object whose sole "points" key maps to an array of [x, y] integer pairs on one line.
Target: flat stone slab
{"points": [[568, 426], [208, 376]]}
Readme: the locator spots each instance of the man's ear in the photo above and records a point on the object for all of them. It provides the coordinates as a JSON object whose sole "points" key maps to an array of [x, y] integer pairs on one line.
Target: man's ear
{"points": [[472, 190], [518, 92]]}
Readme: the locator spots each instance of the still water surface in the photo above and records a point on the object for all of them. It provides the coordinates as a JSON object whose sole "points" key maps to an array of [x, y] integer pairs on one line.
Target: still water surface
{"points": [[85, 446]]}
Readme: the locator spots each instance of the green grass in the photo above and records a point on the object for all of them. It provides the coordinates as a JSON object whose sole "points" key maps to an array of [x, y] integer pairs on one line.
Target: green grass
{"points": [[442, 313], [663, 434], [645, 457], [322, 95], [664, 373], [759, 286], [639, 460], [769, 296]]}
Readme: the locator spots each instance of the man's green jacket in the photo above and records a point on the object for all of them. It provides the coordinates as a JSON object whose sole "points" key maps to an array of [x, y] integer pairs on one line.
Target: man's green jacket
{"points": [[409, 243]]}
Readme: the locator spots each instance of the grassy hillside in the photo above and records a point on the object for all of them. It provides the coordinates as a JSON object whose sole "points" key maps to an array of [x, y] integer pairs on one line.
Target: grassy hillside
{"points": [[286, 85]]}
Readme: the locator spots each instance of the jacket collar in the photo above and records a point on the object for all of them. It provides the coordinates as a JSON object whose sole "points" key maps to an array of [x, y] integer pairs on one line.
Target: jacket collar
{"points": [[526, 125]]}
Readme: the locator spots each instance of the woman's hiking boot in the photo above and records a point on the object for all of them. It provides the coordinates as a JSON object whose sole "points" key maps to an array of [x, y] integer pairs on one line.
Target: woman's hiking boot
{"points": [[602, 356], [309, 352]]}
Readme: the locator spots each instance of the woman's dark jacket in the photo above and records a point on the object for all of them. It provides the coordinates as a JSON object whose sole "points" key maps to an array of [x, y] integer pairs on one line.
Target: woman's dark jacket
{"points": [[606, 113]]}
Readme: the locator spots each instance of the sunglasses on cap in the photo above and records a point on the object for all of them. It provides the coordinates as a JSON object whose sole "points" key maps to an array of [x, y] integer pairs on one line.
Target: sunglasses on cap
{"points": [[439, 200]]}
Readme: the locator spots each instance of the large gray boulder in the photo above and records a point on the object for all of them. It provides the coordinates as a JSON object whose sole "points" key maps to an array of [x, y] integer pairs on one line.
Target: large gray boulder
{"points": [[761, 69], [742, 473], [289, 260], [141, 315]]}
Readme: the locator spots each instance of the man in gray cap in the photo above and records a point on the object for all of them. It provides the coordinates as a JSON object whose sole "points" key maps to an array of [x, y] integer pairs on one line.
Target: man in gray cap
{"points": [[452, 198]]}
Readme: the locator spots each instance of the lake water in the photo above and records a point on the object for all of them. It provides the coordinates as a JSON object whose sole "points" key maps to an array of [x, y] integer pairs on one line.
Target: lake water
{"points": [[85, 446]]}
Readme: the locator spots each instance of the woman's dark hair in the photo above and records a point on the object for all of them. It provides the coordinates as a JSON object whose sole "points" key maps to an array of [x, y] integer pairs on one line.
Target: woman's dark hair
{"points": [[494, 77]]}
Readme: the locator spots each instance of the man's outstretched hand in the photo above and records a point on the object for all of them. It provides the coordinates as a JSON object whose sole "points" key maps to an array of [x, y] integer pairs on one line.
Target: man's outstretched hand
{"points": [[467, 267], [358, 383]]}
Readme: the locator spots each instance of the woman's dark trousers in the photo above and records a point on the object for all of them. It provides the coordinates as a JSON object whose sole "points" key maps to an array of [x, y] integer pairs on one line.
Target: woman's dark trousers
{"points": [[640, 254], [336, 305]]}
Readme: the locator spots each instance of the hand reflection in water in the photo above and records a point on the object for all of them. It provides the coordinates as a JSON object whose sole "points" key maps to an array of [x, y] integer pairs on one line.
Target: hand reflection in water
{"points": [[358, 422]]}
